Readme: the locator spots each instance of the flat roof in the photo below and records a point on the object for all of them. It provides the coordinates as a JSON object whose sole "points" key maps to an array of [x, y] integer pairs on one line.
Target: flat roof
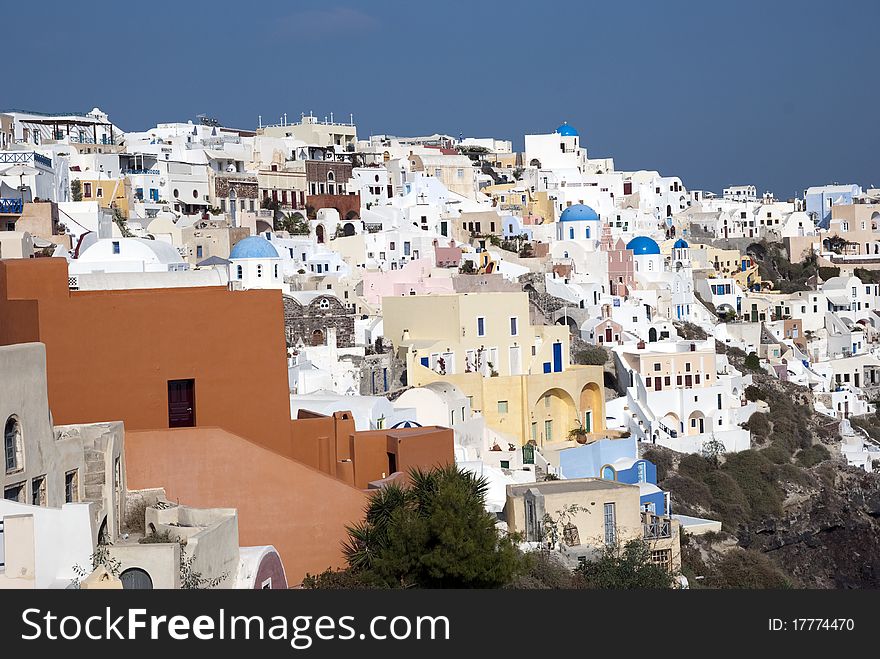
{"points": [[568, 485]]}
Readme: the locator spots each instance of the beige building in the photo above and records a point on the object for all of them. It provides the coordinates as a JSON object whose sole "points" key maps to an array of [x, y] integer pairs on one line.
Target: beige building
{"points": [[517, 375], [605, 513], [211, 237], [343, 137], [457, 173]]}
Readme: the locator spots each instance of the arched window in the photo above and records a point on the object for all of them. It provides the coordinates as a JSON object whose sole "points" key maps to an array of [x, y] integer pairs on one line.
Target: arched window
{"points": [[12, 444], [238, 271], [330, 176], [259, 270], [608, 473], [324, 303], [276, 271]]}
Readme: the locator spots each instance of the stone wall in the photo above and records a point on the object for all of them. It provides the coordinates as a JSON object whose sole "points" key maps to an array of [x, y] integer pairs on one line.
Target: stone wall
{"points": [[308, 324]]}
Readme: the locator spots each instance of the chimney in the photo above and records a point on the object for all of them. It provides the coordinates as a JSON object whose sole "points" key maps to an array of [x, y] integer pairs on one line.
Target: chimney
{"points": [[640, 345]]}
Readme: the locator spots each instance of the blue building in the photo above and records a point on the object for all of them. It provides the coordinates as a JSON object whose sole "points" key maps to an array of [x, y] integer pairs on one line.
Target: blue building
{"points": [[819, 200], [615, 460]]}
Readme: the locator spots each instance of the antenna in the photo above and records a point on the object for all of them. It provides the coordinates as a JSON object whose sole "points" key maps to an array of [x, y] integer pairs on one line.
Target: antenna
{"points": [[260, 120]]}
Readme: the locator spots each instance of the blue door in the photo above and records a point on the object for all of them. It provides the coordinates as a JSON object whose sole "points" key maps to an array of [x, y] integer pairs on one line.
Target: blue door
{"points": [[557, 357]]}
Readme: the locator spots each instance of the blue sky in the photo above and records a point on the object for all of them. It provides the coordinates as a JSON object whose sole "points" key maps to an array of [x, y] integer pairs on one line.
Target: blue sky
{"points": [[781, 94]]}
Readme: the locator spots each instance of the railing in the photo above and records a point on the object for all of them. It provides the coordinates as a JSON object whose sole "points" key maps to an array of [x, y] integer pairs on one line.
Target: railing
{"points": [[11, 207], [135, 172], [655, 527], [16, 157], [82, 139]]}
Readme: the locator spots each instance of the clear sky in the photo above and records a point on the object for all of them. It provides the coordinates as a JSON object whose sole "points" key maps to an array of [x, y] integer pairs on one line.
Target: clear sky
{"points": [[781, 94]]}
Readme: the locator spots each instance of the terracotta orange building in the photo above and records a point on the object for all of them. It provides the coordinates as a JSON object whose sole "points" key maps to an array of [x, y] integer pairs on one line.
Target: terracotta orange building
{"points": [[199, 378]]}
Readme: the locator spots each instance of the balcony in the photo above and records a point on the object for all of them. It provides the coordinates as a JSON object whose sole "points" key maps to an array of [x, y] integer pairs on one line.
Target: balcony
{"points": [[11, 206], [655, 527], [136, 172]]}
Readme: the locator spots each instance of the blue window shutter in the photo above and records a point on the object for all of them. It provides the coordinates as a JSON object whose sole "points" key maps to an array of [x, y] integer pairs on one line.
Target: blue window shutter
{"points": [[546, 367], [424, 361]]}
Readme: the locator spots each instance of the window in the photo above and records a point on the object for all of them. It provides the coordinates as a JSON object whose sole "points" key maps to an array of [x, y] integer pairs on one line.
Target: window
{"points": [[657, 366], [481, 326], [276, 274], [548, 429], [610, 524], [324, 303], [198, 251], [99, 193], [661, 557], [502, 407], [14, 492], [71, 486], [642, 471], [38, 491], [238, 271], [87, 190], [513, 327], [12, 443], [259, 270]]}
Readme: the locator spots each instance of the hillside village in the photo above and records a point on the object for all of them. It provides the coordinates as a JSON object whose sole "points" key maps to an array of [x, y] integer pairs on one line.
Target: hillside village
{"points": [[220, 346]]}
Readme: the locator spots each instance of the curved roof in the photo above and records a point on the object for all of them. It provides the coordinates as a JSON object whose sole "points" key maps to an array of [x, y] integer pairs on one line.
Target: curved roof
{"points": [[681, 243], [578, 212], [566, 131], [253, 247], [642, 245]]}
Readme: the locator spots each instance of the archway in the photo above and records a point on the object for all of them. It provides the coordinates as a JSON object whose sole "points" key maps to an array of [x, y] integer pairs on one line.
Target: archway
{"points": [[672, 423], [352, 215], [591, 407], [135, 578], [554, 414], [652, 335], [668, 210], [534, 162], [319, 233], [348, 229], [696, 423], [317, 338]]}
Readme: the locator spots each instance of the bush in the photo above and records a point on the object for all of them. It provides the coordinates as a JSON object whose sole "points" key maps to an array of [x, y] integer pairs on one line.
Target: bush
{"points": [[694, 466], [689, 491], [591, 356], [756, 477], [753, 362], [729, 502], [759, 426], [746, 568], [812, 455], [543, 571], [754, 393], [777, 453], [827, 272], [624, 568], [331, 579], [662, 460]]}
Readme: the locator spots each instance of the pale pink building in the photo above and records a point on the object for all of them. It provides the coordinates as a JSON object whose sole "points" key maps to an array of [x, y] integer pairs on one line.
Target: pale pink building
{"points": [[415, 278]]}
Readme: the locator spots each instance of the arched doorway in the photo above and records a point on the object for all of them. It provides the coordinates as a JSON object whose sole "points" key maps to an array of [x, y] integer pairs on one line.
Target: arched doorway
{"points": [[319, 233], [553, 415], [135, 578], [668, 210], [671, 423], [591, 407], [317, 338], [696, 423], [348, 229], [652, 335]]}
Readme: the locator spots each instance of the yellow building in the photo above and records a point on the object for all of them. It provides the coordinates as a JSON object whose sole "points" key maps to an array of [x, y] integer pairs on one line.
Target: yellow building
{"points": [[518, 199], [605, 513], [108, 192], [517, 375], [726, 262]]}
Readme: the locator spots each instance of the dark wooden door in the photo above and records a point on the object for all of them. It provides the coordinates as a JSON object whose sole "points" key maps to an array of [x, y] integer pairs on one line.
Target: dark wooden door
{"points": [[181, 403]]}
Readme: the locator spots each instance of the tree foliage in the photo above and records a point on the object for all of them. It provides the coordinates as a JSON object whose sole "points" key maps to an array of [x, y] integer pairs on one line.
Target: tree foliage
{"points": [[623, 567], [435, 533]]}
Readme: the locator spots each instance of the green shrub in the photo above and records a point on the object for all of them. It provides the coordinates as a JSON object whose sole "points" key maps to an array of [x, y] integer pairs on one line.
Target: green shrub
{"points": [[756, 477], [812, 455], [759, 426], [689, 491], [754, 393], [729, 503], [661, 460], [746, 568], [694, 466], [777, 453], [591, 356]]}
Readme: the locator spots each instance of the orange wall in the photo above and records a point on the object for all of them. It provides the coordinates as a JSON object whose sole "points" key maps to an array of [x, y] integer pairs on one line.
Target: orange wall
{"points": [[111, 353], [281, 502], [426, 447]]}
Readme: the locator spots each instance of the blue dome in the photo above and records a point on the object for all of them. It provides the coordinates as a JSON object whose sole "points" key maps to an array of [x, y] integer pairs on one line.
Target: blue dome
{"points": [[642, 245], [680, 244], [253, 247], [566, 130], [577, 213]]}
